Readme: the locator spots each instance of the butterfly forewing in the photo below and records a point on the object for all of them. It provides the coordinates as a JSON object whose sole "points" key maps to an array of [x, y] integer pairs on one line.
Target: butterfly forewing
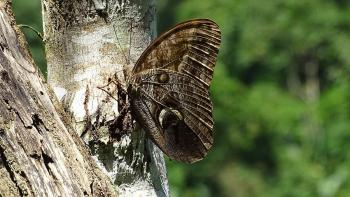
{"points": [[171, 80]]}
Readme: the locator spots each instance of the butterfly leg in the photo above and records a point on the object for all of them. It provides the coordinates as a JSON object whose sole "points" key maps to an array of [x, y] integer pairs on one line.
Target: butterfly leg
{"points": [[117, 85], [123, 123]]}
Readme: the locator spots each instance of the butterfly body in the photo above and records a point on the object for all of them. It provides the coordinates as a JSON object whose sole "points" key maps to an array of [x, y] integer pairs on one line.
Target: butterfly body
{"points": [[169, 89]]}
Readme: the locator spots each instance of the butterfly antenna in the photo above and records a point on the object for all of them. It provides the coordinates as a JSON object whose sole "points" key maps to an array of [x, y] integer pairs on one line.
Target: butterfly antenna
{"points": [[119, 44], [130, 41]]}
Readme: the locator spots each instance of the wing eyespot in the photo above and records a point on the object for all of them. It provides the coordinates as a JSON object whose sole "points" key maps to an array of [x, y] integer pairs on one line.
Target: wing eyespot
{"points": [[163, 78], [169, 118]]}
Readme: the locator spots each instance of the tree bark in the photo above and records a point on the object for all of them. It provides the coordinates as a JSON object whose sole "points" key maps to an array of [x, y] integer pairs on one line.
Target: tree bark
{"points": [[40, 154], [90, 46]]}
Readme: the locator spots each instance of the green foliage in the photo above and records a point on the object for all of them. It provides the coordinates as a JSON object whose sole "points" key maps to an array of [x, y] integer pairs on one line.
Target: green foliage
{"points": [[29, 13], [281, 97]]}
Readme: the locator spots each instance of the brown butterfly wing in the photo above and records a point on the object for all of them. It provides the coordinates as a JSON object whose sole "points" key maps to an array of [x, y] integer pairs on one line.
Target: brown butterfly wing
{"points": [[171, 82]]}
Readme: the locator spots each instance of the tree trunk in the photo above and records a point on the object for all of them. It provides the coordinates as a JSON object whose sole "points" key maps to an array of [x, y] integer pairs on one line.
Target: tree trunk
{"points": [[90, 44], [40, 154]]}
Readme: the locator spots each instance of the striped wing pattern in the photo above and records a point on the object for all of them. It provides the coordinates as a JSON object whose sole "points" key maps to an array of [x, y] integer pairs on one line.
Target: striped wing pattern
{"points": [[174, 74]]}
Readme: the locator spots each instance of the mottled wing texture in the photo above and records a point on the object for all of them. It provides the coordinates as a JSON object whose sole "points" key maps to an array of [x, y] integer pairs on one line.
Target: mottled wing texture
{"points": [[172, 78]]}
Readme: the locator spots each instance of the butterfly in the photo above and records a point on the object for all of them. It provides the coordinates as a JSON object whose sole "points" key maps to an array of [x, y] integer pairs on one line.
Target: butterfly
{"points": [[168, 89]]}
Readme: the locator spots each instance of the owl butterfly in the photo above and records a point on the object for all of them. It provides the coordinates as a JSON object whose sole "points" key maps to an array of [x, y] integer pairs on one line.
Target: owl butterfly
{"points": [[169, 89]]}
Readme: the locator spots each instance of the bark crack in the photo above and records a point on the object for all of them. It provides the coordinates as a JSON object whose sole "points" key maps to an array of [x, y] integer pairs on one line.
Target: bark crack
{"points": [[47, 160], [37, 121], [6, 162], [87, 118]]}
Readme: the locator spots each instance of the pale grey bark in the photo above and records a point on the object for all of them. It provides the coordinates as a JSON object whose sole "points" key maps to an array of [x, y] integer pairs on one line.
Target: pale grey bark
{"points": [[40, 154], [90, 46]]}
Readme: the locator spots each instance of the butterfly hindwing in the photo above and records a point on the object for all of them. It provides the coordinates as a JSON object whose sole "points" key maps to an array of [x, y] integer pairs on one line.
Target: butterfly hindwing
{"points": [[170, 89]]}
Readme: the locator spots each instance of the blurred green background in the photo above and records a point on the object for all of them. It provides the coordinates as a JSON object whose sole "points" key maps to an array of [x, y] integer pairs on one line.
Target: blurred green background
{"points": [[280, 91]]}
